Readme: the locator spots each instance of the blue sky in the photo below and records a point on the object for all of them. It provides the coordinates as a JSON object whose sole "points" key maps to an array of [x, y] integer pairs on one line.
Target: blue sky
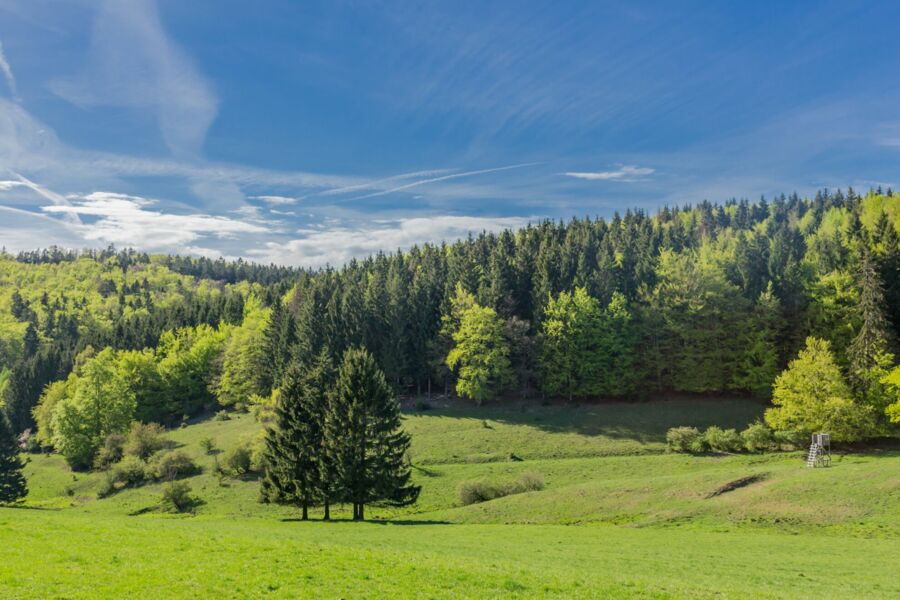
{"points": [[309, 132]]}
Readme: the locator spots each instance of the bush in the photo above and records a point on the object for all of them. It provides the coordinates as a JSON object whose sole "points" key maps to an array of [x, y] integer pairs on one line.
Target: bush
{"points": [[209, 445], [173, 465], [176, 497], [471, 492], [111, 452], [131, 471], [237, 461], [722, 440], [422, 406], [681, 439], [144, 440], [758, 437], [107, 487], [222, 415], [790, 440]]}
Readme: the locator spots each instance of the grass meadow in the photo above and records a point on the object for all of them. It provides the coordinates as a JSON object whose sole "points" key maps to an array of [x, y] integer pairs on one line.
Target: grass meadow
{"points": [[618, 518]]}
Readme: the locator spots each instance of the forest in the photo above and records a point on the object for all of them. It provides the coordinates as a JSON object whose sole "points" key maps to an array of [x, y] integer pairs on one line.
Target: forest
{"points": [[791, 300]]}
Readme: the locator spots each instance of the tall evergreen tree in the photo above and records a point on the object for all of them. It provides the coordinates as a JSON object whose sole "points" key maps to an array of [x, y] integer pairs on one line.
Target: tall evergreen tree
{"points": [[871, 340], [294, 449], [364, 440], [12, 482]]}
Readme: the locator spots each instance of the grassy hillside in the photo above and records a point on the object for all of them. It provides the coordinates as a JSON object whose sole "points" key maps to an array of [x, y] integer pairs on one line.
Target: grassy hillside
{"points": [[649, 523]]}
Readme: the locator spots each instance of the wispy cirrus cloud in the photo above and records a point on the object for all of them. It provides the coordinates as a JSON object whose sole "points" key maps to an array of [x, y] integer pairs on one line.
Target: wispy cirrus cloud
{"points": [[275, 200], [134, 64], [626, 173], [8, 74]]}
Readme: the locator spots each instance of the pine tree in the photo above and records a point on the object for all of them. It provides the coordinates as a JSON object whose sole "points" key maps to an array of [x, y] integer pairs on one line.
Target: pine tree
{"points": [[294, 444], [364, 441], [12, 482]]}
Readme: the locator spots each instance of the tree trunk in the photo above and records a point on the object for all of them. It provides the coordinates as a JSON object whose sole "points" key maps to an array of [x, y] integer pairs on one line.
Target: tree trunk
{"points": [[327, 516], [305, 512], [362, 512]]}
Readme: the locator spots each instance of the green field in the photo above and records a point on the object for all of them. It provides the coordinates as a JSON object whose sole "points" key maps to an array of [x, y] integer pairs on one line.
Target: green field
{"points": [[619, 517]]}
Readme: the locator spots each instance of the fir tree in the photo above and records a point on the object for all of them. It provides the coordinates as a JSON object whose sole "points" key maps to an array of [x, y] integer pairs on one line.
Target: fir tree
{"points": [[364, 439], [12, 482], [294, 444]]}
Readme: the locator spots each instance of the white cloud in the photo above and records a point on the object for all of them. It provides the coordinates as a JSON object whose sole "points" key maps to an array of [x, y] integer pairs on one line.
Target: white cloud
{"points": [[8, 185], [8, 74], [275, 200], [126, 221], [627, 173], [337, 245]]}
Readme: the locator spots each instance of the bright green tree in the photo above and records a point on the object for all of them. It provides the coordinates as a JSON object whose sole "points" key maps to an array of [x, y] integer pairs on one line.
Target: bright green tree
{"points": [[811, 396], [244, 360], [480, 354], [102, 404], [571, 348], [892, 382]]}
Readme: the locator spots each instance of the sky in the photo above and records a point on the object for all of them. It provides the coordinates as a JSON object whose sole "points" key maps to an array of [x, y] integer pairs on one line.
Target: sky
{"points": [[308, 133]]}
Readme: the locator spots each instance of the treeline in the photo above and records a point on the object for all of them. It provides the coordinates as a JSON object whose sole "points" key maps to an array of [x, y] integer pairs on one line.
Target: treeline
{"points": [[704, 299], [707, 299]]}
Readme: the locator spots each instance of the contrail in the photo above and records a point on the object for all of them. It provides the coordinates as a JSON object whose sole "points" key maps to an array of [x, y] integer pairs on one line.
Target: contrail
{"points": [[50, 195], [444, 178]]}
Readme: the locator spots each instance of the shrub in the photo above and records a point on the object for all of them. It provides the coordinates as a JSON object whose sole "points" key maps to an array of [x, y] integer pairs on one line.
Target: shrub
{"points": [[131, 471], [790, 440], [681, 439], [471, 492], [237, 461], [222, 415], [531, 482], [209, 445], [144, 439], [176, 497], [111, 452], [108, 486], [173, 465], [422, 406], [758, 437], [722, 440]]}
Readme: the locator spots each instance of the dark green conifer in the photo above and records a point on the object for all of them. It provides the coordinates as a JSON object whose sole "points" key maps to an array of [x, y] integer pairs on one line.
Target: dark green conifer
{"points": [[364, 439], [12, 482], [294, 444]]}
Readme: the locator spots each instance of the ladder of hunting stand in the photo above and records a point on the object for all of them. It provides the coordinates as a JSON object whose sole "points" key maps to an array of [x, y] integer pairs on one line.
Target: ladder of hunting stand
{"points": [[813, 455]]}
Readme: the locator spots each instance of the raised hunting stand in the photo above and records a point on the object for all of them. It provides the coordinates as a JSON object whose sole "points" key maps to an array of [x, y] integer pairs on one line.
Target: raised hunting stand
{"points": [[819, 451]]}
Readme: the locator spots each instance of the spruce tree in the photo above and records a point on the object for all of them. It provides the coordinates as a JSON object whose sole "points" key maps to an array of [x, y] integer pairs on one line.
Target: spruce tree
{"points": [[294, 444], [364, 439], [871, 340], [12, 482]]}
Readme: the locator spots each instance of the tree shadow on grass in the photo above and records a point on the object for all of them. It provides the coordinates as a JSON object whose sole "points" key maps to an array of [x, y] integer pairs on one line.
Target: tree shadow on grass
{"points": [[640, 421], [404, 522]]}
